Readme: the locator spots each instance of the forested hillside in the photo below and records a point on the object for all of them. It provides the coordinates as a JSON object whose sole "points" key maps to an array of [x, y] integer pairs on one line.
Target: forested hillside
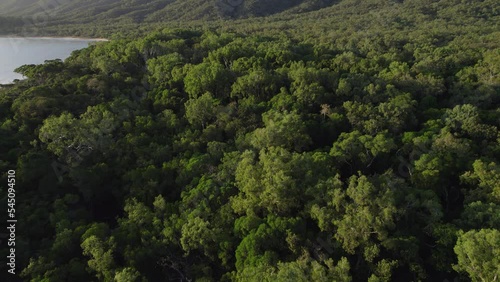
{"points": [[62, 12], [359, 142]]}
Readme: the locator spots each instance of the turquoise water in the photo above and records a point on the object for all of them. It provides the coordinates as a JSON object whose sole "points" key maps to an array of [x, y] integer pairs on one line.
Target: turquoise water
{"points": [[15, 52]]}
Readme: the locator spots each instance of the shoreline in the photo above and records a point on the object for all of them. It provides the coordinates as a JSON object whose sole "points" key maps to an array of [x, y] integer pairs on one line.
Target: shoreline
{"points": [[9, 78], [54, 37]]}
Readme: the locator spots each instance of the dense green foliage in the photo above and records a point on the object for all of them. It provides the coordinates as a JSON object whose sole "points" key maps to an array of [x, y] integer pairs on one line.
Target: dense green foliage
{"points": [[365, 149]]}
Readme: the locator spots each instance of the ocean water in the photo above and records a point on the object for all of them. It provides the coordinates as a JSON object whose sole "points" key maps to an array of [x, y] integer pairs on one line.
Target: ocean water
{"points": [[18, 51]]}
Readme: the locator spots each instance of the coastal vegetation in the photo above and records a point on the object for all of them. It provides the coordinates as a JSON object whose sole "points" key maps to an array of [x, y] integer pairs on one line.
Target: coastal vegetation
{"points": [[326, 141]]}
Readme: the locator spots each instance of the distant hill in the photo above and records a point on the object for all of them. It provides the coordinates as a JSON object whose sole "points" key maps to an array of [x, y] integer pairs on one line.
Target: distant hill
{"points": [[85, 11], [106, 17]]}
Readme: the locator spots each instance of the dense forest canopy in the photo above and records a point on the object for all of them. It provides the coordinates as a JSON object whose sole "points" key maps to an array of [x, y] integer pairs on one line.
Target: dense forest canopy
{"points": [[357, 142]]}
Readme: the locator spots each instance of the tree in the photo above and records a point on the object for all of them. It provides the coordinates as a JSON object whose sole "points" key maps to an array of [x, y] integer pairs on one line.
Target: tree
{"points": [[54, 133], [258, 83], [325, 110], [199, 111], [72, 139], [370, 211], [478, 253], [208, 77], [101, 261], [360, 151], [480, 215], [267, 185], [465, 120], [197, 234], [309, 85], [485, 182], [363, 117], [128, 274], [284, 129], [398, 113], [99, 247], [160, 69]]}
